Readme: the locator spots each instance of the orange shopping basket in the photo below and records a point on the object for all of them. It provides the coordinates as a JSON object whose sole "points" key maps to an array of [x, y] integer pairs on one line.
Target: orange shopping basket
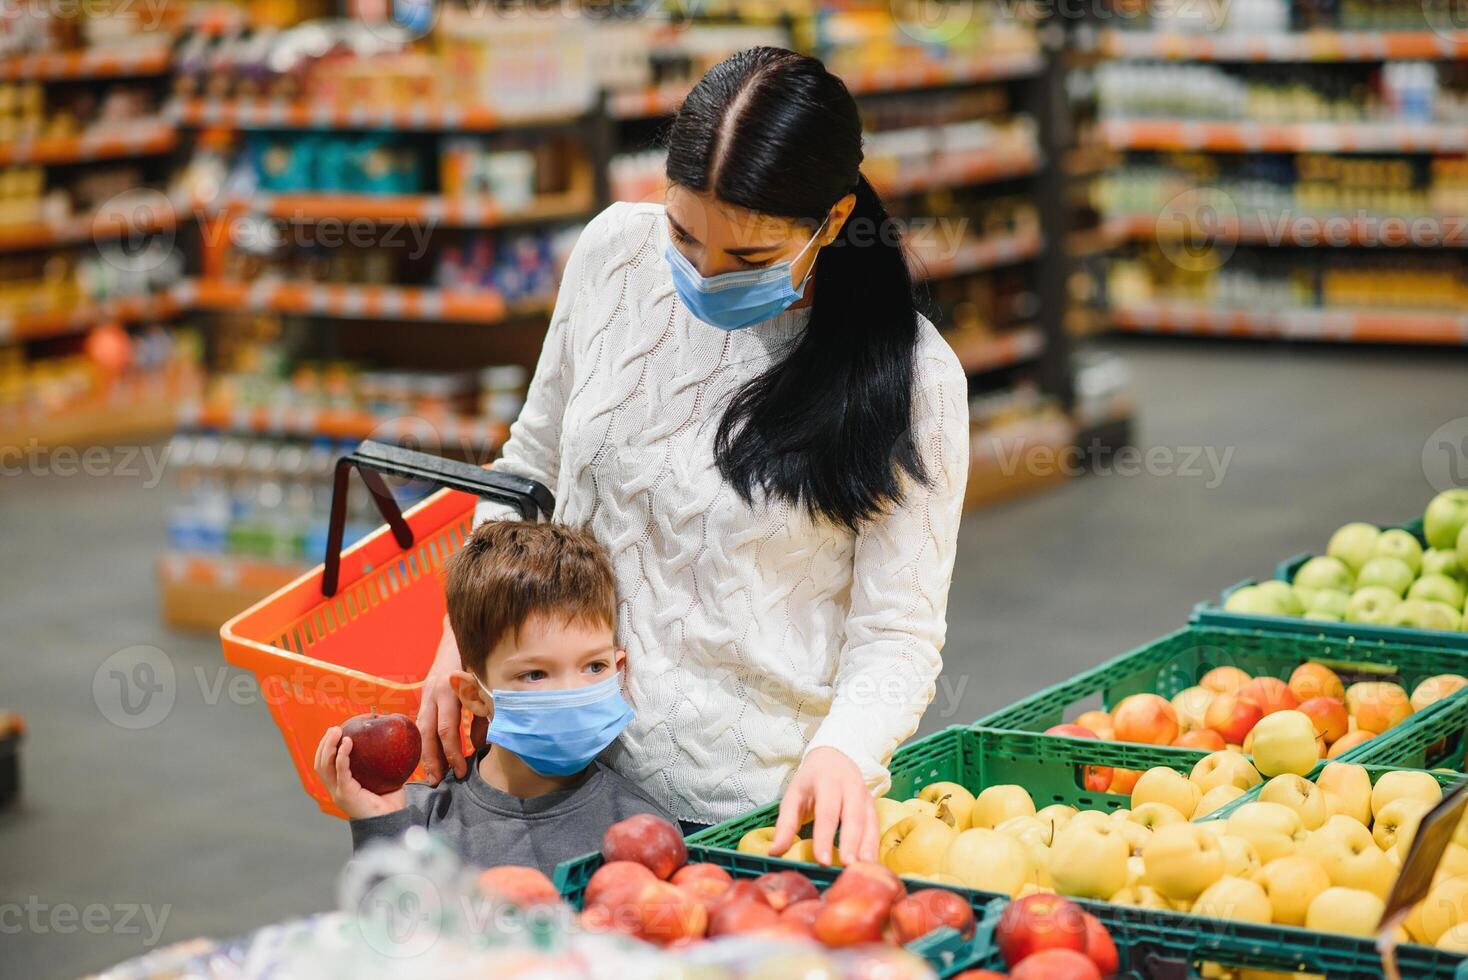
{"points": [[360, 630]]}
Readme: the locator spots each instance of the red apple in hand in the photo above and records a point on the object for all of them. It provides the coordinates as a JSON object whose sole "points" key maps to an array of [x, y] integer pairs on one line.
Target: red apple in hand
{"points": [[930, 908], [784, 888], [518, 885], [385, 750], [648, 840]]}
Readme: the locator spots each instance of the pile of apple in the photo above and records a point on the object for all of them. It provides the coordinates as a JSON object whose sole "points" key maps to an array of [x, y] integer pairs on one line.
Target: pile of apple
{"points": [[1288, 726], [1379, 578], [646, 889]]}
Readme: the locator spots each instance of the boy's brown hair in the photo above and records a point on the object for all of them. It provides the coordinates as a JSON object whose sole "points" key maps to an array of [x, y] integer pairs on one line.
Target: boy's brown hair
{"points": [[510, 571]]}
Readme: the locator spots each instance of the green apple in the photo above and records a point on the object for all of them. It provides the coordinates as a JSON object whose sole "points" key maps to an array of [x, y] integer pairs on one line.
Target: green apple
{"points": [[1438, 588], [1282, 593], [1251, 601], [1463, 549], [1443, 561], [1352, 544], [1445, 517], [1371, 604], [1397, 543], [1424, 615], [1324, 572], [1329, 601], [1390, 573]]}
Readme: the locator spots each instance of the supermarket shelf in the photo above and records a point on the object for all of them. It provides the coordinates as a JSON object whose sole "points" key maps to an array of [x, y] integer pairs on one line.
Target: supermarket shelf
{"points": [[446, 431], [52, 323], [891, 177], [978, 352], [933, 261], [1015, 459], [355, 301], [280, 114], [1308, 46], [460, 212], [664, 100], [1360, 326], [90, 64], [1248, 137], [1338, 230], [97, 227], [145, 137], [200, 592], [144, 408]]}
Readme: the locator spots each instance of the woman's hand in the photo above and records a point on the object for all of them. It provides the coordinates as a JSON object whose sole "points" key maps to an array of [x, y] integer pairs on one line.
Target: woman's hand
{"points": [[440, 716], [828, 786], [333, 765]]}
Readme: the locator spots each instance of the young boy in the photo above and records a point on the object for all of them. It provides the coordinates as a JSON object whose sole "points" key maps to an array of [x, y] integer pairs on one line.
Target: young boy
{"points": [[533, 607]]}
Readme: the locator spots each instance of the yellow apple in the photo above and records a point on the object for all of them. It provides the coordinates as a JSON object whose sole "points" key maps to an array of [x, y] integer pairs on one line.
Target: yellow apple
{"points": [[1035, 835], [757, 841], [1350, 857], [1154, 815], [1191, 704], [952, 802], [920, 808], [1032, 888], [1407, 783], [1225, 767], [915, 845], [1142, 897], [1163, 785], [1215, 827], [1089, 818], [1434, 689], [1274, 829], [1455, 940], [1215, 798], [1396, 824], [1237, 899], [1285, 742], [1292, 883], [1124, 813], [1057, 813], [998, 803], [1089, 860], [987, 860], [1348, 910], [1444, 908], [1300, 795], [1135, 834], [805, 850], [1347, 789], [1454, 862], [1136, 870], [889, 811], [1181, 860], [1241, 857]]}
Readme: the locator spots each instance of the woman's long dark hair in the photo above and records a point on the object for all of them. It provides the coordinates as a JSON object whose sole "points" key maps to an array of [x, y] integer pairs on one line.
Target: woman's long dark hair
{"points": [[828, 427]]}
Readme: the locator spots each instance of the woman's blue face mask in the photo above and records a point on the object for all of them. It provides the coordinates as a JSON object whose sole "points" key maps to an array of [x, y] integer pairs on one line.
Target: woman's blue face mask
{"points": [[558, 732], [742, 298]]}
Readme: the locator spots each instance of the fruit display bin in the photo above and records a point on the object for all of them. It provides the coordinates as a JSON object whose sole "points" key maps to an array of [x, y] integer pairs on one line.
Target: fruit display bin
{"points": [[945, 950], [1434, 738], [1209, 613], [1175, 662]]}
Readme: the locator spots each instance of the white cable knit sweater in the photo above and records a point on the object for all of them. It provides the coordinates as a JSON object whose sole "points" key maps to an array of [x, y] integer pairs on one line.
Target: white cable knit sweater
{"points": [[752, 635]]}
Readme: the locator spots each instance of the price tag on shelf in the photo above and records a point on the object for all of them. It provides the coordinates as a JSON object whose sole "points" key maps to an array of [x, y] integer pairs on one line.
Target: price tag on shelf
{"points": [[1434, 834]]}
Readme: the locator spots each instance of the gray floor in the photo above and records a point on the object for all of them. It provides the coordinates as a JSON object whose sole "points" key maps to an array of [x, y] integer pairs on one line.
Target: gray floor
{"points": [[199, 817]]}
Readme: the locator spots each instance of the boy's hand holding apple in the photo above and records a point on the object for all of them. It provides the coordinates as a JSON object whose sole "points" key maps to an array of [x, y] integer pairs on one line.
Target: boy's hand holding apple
{"points": [[388, 755]]}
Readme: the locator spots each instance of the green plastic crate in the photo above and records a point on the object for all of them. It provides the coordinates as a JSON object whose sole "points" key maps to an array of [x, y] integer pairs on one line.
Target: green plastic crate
{"points": [[1174, 662], [1210, 613], [945, 950]]}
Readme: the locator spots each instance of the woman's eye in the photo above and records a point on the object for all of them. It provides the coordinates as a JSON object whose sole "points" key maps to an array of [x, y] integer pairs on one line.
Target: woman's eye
{"points": [[679, 236], [746, 263]]}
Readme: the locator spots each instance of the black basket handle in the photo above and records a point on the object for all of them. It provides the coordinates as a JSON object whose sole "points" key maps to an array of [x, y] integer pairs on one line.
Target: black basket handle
{"points": [[372, 459]]}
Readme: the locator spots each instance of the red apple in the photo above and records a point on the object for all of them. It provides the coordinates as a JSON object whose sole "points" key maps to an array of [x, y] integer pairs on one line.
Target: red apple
{"points": [[804, 912], [1100, 947], [615, 875], [385, 750], [1232, 717], [852, 921], [1329, 715], [1201, 738], [927, 909], [648, 840], [867, 878], [518, 885], [1097, 779], [704, 882], [659, 913], [1123, 781], [1270, 693], [788, 929], [1071, 729], [1146, 718], [978, 975], [743, 890], [1056, 964], [784, 888], [741, 916], [1039, 922]]}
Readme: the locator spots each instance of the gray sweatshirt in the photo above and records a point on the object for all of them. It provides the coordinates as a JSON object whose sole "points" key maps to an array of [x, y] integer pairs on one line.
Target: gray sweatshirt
{"points": [[489, 827]]}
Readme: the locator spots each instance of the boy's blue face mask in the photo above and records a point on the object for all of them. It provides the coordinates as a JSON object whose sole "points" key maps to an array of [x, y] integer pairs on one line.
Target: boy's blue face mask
{"points": [[560, 732], [742, 298]]}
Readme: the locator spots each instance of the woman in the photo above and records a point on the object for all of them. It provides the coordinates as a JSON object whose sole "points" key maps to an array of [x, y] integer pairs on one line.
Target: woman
{"points": [[739, 398]]}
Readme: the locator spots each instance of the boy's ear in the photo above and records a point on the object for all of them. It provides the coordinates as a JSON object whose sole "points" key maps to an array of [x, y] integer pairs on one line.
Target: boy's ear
{"points": [[470, 694], [619, 659]]}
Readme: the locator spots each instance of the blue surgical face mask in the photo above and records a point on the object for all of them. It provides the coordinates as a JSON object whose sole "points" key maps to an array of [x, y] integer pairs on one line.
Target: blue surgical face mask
{"points": [[560, 732], [742, 298]]}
